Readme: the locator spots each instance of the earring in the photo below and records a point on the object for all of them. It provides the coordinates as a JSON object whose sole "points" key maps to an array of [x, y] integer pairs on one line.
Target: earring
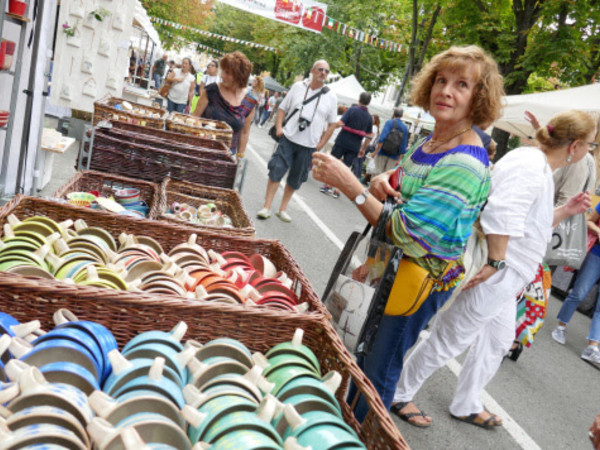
{"points": [[569, 158]]}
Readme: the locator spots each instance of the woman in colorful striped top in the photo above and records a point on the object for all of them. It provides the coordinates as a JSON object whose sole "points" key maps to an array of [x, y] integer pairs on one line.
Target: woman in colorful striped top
{"points": [[446, 182]]}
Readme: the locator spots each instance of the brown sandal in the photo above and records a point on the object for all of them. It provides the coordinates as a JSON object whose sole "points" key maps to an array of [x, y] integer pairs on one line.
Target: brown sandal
{"points": [[489, 424]]}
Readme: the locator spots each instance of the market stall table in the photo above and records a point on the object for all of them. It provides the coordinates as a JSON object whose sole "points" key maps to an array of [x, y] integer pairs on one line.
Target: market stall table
{"points": [[65, 143]]}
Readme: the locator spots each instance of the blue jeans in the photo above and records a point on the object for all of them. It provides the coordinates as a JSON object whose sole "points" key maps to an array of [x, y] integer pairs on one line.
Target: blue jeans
{"points": [[177, 107], [587, 276], [395, 336], [157, 80], [264, 117]]}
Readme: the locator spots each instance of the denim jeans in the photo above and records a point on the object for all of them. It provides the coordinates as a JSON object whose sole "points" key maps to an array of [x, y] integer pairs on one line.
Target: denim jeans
{"points": [[395, 336], [157, 80], [587, 276], [178, 107], [264, 117]]}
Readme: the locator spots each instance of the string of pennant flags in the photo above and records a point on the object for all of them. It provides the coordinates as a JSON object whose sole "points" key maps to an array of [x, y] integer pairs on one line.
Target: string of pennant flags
{"points": [[206, 48], [328, 23], [341, 28], [179, 26]]}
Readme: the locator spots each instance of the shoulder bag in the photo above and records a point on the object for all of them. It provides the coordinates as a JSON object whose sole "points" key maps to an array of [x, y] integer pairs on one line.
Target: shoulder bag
{"points": [[273, 129]]}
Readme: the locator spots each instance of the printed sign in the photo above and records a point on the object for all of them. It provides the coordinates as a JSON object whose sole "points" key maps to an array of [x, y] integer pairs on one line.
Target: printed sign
{"points": [[305, 14]]}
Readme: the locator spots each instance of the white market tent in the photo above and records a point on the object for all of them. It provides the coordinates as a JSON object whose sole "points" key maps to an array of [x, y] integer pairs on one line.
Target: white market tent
{"points": [[348, 90], [544, 105]]}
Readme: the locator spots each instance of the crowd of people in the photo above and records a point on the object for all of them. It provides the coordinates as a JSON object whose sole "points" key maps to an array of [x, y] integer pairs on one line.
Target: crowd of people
{"points": [[449, 204]]}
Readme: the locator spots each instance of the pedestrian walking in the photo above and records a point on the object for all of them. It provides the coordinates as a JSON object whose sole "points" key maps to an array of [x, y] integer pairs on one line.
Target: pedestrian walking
{"points": [[158, 70], [229, 101], [391, 144], [445, 183], [309, 106], [356, 133], [182, 89], [518, 225]]}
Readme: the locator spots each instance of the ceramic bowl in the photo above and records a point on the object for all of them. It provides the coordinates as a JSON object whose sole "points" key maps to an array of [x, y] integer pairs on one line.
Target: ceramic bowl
{"points": [[81, 199], [69, 373]]}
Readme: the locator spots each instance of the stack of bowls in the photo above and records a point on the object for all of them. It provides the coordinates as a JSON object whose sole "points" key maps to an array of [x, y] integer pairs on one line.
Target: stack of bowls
{"points": [[75, 352], [130, 199], [39, 413], [4, 115], [145, 391]]}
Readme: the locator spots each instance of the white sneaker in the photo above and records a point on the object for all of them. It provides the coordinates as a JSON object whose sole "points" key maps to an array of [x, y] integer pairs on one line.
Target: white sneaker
{"points": [[591, 354], [264, 214], [283, 216], [559, 334]]}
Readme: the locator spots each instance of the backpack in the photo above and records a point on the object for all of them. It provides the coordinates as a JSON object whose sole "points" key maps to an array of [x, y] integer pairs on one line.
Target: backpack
{"points": [[393, 141]]}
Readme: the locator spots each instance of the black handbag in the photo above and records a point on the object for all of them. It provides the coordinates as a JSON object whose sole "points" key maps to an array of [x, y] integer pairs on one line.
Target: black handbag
{"points": [[273, 129]]}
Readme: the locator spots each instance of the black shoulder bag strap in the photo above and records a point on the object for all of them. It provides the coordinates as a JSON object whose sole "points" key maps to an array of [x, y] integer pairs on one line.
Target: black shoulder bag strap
{"points": [[324, 90]]}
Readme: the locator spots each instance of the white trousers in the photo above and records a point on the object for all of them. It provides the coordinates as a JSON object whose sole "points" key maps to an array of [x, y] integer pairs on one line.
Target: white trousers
{"points": [[482, 318]]}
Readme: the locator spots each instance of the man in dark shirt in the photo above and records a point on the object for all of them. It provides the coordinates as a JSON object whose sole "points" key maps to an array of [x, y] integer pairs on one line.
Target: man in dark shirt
{"points": [[158, 70], [357, 128]]}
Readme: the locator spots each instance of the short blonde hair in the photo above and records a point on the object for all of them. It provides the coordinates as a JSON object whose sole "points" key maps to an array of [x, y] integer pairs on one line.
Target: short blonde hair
{"points": [[486, 105], [565, 127]]}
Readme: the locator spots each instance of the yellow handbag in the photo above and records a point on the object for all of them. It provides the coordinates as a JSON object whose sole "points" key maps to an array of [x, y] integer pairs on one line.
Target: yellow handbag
{"points": [[412, 286]]}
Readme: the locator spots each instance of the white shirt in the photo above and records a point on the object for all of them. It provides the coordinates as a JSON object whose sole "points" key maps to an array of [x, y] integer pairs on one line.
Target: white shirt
{"points": [[520, 205], [180, 92], [325, 113], [210, 79]]}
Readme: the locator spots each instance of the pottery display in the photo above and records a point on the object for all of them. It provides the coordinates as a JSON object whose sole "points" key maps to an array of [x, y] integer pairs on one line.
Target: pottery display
{"points": [[160, 391], [90, 256]]}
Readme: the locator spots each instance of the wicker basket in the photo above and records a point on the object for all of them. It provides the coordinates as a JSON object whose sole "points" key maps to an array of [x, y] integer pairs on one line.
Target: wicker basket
{"points": [[162, 136], [220, 131], [169, 235], [106, 184], [149, 163], [143, 140], [26, 299], [228, 202], [104, 109]]}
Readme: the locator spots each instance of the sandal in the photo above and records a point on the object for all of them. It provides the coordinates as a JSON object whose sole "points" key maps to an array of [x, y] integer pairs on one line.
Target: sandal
{"points": [[514, 353], [490, 423], [395, 408]]}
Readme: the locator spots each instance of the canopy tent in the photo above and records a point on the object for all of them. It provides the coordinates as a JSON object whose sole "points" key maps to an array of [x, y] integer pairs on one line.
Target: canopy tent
{"points": [[544, 105], [141, 20], [349, 89], [272, 85]]}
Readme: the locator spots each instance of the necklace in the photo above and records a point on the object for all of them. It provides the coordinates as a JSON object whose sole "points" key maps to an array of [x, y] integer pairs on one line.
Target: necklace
{"points": [[434, 143]]}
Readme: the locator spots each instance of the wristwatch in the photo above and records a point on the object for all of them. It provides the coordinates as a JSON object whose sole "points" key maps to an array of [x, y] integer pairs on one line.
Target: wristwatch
{"points": [[361, 198], [497, 264]]}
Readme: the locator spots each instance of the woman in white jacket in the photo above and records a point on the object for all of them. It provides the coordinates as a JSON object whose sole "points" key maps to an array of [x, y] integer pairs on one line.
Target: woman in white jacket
{"points": [[517, 222]]}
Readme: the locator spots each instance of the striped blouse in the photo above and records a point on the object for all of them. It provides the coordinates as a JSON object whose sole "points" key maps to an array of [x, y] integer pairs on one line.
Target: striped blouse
{"points": [[442, 194]]}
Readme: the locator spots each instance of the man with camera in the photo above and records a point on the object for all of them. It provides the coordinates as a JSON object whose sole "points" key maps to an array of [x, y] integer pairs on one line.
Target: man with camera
{"points": [[307, 108]]}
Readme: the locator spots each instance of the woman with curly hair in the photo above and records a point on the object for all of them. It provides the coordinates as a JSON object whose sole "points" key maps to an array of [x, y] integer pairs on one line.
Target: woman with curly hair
{"points": [[446, 181], [229, 100]]}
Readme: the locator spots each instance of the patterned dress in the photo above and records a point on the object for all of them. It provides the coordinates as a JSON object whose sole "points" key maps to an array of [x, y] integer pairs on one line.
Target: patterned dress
{"points": [[220, 109]]}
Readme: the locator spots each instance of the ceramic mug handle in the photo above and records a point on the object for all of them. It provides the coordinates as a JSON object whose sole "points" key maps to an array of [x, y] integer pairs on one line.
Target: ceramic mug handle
{"points": [[62, 316]]}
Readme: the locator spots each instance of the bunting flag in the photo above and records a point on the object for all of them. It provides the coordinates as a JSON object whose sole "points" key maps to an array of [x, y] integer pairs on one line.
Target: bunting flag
{"points": [[178, 26], [341, 28]]}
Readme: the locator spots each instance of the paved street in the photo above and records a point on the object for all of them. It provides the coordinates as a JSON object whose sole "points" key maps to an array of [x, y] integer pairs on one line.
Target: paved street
{"points": [[547, 399]]}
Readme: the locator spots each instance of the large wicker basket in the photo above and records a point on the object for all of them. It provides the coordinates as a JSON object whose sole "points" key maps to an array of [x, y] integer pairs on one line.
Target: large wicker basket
{"points": [[151, 163], [169, 235], [104, 109], [227, 201], [152, 135], [106, 184], [26, 299], [218, 131], [143, 140]]}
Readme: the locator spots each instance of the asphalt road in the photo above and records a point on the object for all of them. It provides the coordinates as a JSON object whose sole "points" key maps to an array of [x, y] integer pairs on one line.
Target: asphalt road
{"points": [[548, 399]]}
